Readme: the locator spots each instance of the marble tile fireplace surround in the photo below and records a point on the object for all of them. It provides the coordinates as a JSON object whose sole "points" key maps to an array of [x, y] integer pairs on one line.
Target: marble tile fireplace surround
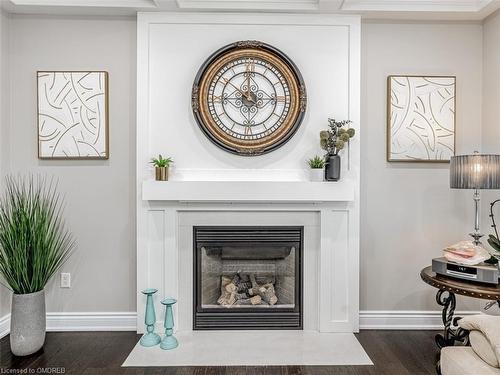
{"points": [[210, 188]]}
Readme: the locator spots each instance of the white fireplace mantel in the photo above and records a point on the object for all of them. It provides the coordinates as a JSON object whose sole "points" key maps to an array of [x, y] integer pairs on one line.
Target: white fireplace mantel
{"points": [[249, 191]]}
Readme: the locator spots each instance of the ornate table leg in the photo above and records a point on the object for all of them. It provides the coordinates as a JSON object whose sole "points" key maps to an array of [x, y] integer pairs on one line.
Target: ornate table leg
{"points": [[452, 334]]}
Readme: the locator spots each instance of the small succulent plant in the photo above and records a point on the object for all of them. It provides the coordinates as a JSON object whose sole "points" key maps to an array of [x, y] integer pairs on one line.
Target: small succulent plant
{"points": [[336, 137], [161, 161], [316, 162]]}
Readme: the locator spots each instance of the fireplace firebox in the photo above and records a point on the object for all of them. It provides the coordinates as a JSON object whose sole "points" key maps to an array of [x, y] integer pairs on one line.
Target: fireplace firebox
{"points": [[247, 277]]}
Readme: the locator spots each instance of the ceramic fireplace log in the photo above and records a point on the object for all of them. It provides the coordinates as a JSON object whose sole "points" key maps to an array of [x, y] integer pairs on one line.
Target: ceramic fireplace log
{"points": [[233, 298], [227, 299], [241, 282], [225, 281], [268, 294], [245, 290], [240, 296], [256, 300], [253, 281], [231, 288], [228, 292], [266, 291]]}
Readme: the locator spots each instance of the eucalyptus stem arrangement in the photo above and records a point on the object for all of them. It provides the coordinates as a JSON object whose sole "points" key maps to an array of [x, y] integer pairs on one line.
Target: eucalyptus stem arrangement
{"points": [[333, 140], [34, 242]]}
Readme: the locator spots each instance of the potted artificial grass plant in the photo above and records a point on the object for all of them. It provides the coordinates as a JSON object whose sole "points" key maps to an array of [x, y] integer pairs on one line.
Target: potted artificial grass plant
{"points": [[316, 165], [34, 243], [161, 165]]}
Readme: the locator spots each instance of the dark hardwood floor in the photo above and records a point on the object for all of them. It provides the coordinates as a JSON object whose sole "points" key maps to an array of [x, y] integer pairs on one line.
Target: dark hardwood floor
{"points": [[392, 352]]}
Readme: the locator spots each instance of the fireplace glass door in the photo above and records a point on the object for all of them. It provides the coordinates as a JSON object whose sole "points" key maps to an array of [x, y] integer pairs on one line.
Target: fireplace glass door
{"points": [[248, 277]]}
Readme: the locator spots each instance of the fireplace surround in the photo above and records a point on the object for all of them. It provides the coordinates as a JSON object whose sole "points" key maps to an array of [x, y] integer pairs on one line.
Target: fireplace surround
{"points": [[247, 277], [209, 187], [329, 261]]}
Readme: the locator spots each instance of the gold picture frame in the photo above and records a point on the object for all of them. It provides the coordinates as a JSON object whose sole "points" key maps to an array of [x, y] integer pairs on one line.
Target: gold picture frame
{"points": [[73, 115], [421, 118]]}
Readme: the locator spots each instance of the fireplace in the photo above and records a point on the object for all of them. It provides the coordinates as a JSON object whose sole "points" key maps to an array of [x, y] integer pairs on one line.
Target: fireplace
{"points": [[247, 277]]}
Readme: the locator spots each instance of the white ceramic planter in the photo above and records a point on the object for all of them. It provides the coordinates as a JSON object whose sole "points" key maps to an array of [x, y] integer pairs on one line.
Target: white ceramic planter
{"points": [[316, 174], [27, 323]]}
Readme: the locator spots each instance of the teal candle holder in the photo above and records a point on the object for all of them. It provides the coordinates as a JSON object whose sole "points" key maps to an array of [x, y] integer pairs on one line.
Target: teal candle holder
{"points": [[169, 341], [150, 338]]}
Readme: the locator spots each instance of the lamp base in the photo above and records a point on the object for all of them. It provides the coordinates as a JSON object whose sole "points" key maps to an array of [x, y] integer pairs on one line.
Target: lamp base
{"points": [[477, 236]]}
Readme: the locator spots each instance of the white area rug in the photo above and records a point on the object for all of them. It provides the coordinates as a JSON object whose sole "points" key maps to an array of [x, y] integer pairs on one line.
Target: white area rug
{"points": [[253, 348]]}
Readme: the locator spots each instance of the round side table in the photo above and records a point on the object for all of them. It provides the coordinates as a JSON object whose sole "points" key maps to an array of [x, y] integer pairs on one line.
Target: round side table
{"points": [[447, 288]]}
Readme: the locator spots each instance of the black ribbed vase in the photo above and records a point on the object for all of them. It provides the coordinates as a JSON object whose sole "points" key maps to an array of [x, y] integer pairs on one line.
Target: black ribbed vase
{"points": [[332, 168]]}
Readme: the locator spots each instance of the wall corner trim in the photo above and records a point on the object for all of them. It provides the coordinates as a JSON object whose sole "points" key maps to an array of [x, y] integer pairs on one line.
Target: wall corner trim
{"points": [[4, 325]]}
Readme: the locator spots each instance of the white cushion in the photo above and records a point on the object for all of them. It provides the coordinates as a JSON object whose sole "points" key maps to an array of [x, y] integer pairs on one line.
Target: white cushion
{"points": [[488, 325], [461, 360], [482, 348]]}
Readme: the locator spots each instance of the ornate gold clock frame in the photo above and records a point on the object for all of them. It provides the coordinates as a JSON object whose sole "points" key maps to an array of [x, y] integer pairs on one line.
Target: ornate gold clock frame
{"points": [[249, 98]]}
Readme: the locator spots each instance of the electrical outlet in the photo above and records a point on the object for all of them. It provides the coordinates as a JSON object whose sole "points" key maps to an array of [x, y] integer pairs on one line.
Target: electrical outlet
{"points": [[65, 280]]}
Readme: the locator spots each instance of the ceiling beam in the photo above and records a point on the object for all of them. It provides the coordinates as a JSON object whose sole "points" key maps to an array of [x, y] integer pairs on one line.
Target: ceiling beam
{"points": [[88, 3], [415, 5], [283, 5], [445, 10], [330, 5]]}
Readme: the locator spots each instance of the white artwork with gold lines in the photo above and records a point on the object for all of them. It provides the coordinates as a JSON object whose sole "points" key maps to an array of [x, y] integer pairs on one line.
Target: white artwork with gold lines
{"points": [[72, 115], [421, 118]]}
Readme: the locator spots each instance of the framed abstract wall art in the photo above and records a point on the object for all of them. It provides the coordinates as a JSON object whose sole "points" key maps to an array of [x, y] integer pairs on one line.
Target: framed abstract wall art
{"points": [[73, 115], [420, 118]]}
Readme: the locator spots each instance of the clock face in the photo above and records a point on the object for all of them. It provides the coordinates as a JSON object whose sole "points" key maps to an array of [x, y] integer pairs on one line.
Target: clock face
{"points": [[249, 98]]}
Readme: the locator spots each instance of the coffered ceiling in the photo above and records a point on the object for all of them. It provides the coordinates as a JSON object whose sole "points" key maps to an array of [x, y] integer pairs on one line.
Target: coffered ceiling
{"points": [[473, 10]]}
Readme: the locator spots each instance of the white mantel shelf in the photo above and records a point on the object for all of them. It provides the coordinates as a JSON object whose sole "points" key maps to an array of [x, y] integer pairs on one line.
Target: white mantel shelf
{"points": [[248, 191]]}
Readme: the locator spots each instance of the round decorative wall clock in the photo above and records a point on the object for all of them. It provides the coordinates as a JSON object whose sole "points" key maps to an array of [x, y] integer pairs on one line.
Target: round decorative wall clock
{"points": [[249, 98]]}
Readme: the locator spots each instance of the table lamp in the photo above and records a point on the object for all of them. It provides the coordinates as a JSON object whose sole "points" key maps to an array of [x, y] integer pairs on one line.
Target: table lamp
{"points": [[476, 171]]}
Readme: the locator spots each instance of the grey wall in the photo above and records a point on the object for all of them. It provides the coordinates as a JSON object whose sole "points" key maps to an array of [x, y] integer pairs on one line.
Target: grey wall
{"points": [[100, 195], [491, 109], [4, 122], [408, 212], [491, 84]]}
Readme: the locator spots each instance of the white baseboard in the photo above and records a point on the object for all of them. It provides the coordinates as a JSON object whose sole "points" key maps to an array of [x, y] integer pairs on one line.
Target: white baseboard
{"points": [[127, 321], [404, 320], [4, 325], [86, 321], [92, 321]]}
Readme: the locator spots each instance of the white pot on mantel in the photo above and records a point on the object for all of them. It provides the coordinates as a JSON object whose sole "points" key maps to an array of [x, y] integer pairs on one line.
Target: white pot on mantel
{"points": [[317, 174]]}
